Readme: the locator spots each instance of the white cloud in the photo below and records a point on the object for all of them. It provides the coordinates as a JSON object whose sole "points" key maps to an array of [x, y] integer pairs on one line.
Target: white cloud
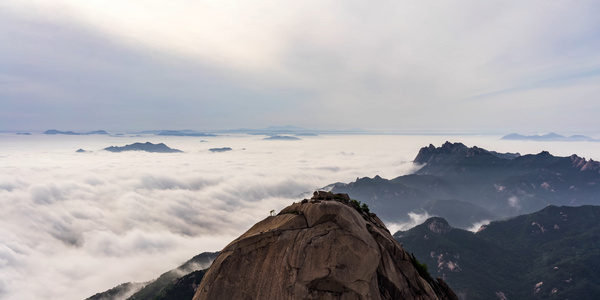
{"points": [[477, 225], [415, 219], [513, 201], [95, 220]]}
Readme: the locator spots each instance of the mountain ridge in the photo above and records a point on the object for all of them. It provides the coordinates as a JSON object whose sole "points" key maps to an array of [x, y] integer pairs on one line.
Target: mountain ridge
{"points": [[54, 132], [496, 184], [550, 137], [549, 254]]}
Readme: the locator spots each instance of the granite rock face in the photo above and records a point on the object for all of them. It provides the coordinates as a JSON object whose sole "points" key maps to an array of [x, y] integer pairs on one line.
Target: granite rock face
{"points": [[323, 248]]}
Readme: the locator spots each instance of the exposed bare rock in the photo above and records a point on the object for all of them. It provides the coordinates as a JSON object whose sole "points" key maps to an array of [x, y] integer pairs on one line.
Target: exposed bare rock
{"points": [[591, 165], [438, 225], [578, 162], [322, 248], [583, 164]]}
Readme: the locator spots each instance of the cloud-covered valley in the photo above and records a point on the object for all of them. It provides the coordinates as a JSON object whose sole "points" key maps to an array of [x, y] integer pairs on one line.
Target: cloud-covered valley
{"points": [[73, 224]]}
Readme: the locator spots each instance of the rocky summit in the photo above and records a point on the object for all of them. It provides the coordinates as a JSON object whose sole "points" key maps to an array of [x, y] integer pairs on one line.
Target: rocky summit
{"points": [[328, 247]]}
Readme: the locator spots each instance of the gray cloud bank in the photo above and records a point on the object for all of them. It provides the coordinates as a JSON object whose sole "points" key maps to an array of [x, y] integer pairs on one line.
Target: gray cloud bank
{"points": [[461, 65]]}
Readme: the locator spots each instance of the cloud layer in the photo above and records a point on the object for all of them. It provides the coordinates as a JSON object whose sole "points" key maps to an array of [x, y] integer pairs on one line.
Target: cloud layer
{"points": [[96, 219], [73, 224]]}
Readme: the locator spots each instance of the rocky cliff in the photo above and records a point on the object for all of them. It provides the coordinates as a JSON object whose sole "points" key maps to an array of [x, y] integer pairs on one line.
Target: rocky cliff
{"points": [[328, 247]]}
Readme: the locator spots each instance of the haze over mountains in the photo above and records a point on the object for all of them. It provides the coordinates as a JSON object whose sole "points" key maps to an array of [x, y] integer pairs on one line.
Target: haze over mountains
{"points": [[54, 131], [552, 137], [289, 130]]}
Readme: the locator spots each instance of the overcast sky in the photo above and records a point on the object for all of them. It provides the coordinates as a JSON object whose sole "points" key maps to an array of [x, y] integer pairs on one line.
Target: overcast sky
{"points": [[494, 66]]}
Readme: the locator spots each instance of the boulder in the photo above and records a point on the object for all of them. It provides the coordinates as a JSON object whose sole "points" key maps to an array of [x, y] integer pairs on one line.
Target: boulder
{"points": [[322, 248]]}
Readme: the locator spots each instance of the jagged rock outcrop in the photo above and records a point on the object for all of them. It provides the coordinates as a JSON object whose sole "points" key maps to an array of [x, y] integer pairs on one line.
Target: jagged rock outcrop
{"points": [[584, 165], [438, 225], [453, 152], [328, 247]]}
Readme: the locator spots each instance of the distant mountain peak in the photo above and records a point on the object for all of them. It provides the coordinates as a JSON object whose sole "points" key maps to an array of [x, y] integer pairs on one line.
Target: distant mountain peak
{"points": [[438, 225], [452, 153], [281, 138], [448, 145], [430, 153], [148, 147], [548, 137], [54, 132]]}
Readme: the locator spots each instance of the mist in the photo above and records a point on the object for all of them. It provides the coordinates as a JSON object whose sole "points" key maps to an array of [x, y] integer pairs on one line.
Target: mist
{"points": [[415, 219], [74, 224]]}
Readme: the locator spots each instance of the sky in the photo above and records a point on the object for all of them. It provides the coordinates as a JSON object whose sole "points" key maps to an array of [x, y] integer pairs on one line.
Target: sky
{"points": [[458, 66]]}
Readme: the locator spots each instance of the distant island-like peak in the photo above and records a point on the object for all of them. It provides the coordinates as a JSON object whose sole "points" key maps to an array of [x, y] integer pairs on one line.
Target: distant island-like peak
{"points": [[282, 138], [148, 147], [223, 149], [54, 131]]}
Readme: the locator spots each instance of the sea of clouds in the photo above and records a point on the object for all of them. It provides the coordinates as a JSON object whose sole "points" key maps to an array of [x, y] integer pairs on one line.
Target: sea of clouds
{"points": [[74, 224]]}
